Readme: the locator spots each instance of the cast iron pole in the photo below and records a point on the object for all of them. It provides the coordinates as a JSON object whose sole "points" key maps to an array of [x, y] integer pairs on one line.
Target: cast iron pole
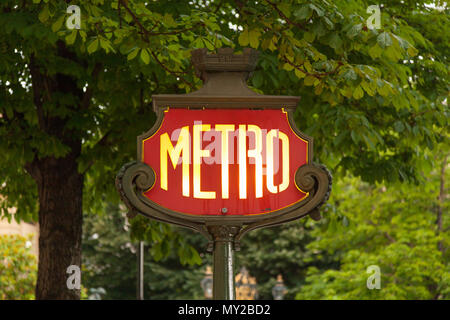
{"points": [[223, 261], [140, 271]]}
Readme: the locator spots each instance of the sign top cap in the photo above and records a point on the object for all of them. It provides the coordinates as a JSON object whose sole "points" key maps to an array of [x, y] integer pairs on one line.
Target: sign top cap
{"points": [[225, 60], [224, 76]]}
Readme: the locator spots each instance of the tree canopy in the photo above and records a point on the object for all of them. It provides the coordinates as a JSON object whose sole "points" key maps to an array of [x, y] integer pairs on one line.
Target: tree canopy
{"points": [[374, 100]]}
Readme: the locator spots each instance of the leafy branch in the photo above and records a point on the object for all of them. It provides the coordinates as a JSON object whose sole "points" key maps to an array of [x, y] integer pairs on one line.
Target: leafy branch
{"points": [[148, 34], [318, 75], [283, 16]]}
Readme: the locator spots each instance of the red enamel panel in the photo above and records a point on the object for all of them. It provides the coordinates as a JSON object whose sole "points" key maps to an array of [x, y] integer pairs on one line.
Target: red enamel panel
{"points": [[236, 202]]}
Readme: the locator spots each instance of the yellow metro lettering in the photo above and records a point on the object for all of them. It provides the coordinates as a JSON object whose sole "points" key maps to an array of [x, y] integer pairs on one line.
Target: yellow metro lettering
{"points": [[198, 153], [270, 163], [225, 129], [242, 138], [256, 154], [182, 147]]}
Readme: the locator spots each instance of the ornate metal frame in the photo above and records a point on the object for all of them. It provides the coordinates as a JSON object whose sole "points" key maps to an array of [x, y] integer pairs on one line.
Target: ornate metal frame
{"points": [[224, 75]]}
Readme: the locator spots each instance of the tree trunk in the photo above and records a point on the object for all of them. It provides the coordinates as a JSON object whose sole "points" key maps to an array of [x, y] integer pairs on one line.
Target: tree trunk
{"points": [[60, 186], [60, 223]]}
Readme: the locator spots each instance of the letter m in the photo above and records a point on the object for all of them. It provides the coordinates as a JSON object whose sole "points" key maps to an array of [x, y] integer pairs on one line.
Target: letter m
{"points": [[227, 311], [180, 149]]}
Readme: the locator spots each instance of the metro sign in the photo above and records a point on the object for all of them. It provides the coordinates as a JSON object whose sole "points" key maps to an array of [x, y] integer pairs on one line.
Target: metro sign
{"points": [[224, 162]]}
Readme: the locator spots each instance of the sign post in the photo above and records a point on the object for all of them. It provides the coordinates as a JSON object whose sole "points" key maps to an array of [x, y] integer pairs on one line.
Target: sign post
{"points": [[223, 161]]}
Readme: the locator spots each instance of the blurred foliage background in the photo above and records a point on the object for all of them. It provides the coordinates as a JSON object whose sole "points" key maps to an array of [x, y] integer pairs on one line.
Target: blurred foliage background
{"points": [[18, 268], [395, 228]]}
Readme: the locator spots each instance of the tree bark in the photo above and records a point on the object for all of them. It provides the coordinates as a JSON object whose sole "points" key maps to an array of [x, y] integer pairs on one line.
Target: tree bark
{"points": [[60, 224]]}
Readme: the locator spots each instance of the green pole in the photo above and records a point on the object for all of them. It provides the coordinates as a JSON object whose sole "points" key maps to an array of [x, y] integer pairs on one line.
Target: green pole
{"points": [[223, 261], [140, 271], [223, 280]]}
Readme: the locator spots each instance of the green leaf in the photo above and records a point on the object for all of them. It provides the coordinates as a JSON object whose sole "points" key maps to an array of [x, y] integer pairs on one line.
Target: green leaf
{"points": [[319, 88], [329, 24], [318, 11], [133, 53], [83, 35], [335, 41], [106, 45], [412, 100], [350, 74], [369, 143], [58, 23], [145, 57], [272, 43], [384, 40], [254, 38], [304, 13], [70, 39], [288, 67], [198, 43], [398, 102], [44, 14], [367, 88], [412, 52], [358, 93], [375, 51], [300, 74], [169, 21], [354, 136], [318, 29], [257, 79], [93, 46], [354, 31], [346, 92], [244, 38], [195, 257], [308, 66], [383, 89], [310, 80], [392, 54], [208, 44], [309, 36]]}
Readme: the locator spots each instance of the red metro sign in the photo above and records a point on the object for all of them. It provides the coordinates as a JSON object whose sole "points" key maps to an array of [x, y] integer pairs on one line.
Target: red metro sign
{"points": [[225, 162]]}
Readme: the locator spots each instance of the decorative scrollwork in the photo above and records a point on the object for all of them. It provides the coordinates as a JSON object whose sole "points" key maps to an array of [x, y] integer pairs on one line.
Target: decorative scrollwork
{"points": [[119, 186], [304, 179], [314, 178], [144, 177], [135, 178]]}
